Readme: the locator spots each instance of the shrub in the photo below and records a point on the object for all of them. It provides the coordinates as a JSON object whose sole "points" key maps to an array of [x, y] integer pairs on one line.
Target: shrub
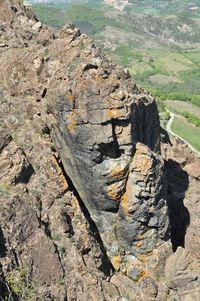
{"points": [[21, 287]]}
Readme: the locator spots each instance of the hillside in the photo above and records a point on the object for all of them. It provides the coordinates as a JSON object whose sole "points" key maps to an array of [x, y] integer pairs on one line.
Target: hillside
{"points": [[158, 41]]}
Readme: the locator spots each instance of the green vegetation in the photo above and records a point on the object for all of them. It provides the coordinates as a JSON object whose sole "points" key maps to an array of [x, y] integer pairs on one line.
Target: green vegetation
{"points": [[191, 118], [89, 20], [187, 132], [56, 237], [167, 74], [55, 17], [194, 99], [161, 106], [166, 7], [164, 117], [187, 110], [4, 188], [20, 286]]}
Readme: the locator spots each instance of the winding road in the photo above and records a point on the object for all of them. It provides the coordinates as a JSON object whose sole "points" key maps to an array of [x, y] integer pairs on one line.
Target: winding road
{"points": [[168, 128]]}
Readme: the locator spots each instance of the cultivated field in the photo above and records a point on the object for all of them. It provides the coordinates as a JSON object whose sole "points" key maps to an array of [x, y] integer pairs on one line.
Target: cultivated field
{"points": [[178, 106], [187, 131]]}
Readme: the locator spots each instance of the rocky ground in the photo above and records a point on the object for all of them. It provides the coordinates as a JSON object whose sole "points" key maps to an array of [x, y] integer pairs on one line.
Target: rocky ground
{"points": [[92, 205]]}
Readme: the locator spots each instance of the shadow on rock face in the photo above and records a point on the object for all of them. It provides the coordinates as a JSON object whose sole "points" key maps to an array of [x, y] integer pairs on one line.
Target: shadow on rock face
{"points": [[178, 183], [165, 136], [3, 249]]}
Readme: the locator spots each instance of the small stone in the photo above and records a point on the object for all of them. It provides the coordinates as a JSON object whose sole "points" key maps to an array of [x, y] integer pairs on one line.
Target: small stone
{"points": [[153, 222], [136, 270], [37, 26]]}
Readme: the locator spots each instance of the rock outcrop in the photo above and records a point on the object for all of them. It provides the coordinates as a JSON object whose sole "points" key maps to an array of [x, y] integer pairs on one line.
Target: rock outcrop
{"points": [[86, 205], [101, 122]]}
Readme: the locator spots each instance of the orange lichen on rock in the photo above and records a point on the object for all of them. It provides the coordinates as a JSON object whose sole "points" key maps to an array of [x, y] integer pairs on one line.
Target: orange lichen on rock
{"points": [[116, 261], [71, 122], [62, 179], [141, 149], [125, 200], [119, 172], [139, 244], [144, 257], [71, 98], [114, 83], [141, 236], [141, 163], [146, 164], [113, 113], [140, 240], [48, 174], [124, 204], [143, 275], [98, 78], [113, 195], [114, 192]]}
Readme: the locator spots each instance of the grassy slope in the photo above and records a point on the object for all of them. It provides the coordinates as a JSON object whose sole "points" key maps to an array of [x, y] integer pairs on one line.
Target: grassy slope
{"points": [[50, 15], [187, 132]]}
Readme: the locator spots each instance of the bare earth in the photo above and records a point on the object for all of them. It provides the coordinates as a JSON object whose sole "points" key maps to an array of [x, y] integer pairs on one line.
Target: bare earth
{"points": [[118, 4]]}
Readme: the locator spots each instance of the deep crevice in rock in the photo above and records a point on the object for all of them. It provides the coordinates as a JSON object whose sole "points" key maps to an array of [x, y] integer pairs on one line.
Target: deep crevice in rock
{"points": [[44, 92], [45, 227], [90, 66], [106, 266]]}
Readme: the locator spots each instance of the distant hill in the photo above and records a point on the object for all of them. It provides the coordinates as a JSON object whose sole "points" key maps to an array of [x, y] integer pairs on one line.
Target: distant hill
{"points": [[158, 41]]}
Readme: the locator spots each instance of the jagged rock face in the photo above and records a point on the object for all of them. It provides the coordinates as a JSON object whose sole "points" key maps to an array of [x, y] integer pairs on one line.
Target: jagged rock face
{"points": [[100, 118], [81, 178], [184, 196]]}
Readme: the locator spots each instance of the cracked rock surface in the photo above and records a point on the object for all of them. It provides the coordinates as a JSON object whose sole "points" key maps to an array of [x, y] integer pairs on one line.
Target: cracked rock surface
{"points": [[89, 208]]}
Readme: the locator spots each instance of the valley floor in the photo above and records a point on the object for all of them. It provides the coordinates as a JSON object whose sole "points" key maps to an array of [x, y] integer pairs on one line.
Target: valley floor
{"points": [[179, 127]]}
